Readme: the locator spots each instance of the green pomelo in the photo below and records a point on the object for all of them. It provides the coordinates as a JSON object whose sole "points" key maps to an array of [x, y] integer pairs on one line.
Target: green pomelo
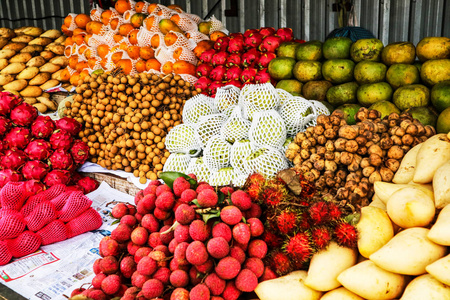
{"points": [[435, 71], [316, 90], [290, 85], [311, 50], [414, 95], [337, 47], [424, 114], [366, 49], [350, 111], [338, 70], [399, 75], [440, 95], [385, 108], [368, 94], [287, 49], [398, 53], [281, 68], [307, 70], [370, 72], [443, 122], [342, 94]]}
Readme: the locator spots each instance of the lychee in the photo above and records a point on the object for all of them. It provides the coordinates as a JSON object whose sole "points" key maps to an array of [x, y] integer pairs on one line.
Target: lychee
{"points": [[216, 298], [196, 253], [207, 198], [132, 248], [256, 227], [257, 248], [141, 252], [152, 288], [200, 292], [159, 257], [255, 211], [111, 284], [154, 239], [96, 266], [147, 204], [97, 280], [128, 220], [246, 281], [231, 215], [109, 265], [222, 230], [237, 253], [108, 247], [184, 214], [165, 234], [163, 275], [255, 265], [228, 268], [162, 188], [127, 266], [150, 223], [119, 210], [180, 185], [215, 284], [150, 189], [138, 280], [121, 233], [199, 230], [131, 208], [231, 292], [181, 234], [139, 195], [165, 201], [203, 186], [97, 294], [195, 276], [218, 247], [172, 245], [139, 236], [206, 267], [179, 294], [241, 233], [161, 214], [241, 200], [147, 266], [187, 196], [179, 278], [227, 190], [163, 248]]}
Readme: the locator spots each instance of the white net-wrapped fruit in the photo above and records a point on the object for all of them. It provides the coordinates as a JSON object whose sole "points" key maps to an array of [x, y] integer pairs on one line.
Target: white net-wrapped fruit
{"points": [[240, 180], [267, 161], [197, 106], [284, 95], [229, 110], [217, 153], [177, 162], [258, 97], [268, 129], [227, 96], [235, 127], [208, 126], [198, 167], [239, 152], [182, 139], [318, 108], [223, 176], [296, 113]]}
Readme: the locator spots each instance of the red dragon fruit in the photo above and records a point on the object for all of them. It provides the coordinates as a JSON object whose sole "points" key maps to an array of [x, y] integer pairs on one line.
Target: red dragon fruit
{"points": [[23, 114], [61, 159], [236, 45], [207, 56], [5, 125], [263, 76], [236, 34], [3, 147], [270, 44], [18, 137], [202, 83], [9, 175], [249, 31], [42, 127], [7, 102], [87, 184], [203, 69], [70, 125], [80, 152], [33, 187], [219, 58], [218, 73], [61, 139], [35, 169], [57, 177], [221, 43], [265, 58], [299, 41], [75, 177], [250, 56], [38, 149], [212, 88], [233, 60], [267, 31], [248, 75], [13, 159], [233, 73], [253, 40], [286, 34], [236, 83]]}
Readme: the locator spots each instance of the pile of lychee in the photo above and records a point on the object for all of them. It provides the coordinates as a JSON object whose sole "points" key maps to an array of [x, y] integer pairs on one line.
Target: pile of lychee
{"points": [[191, 241]]}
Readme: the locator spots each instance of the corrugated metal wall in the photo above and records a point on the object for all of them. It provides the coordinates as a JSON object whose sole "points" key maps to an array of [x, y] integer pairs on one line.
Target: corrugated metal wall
{"points": [[389, 20]]}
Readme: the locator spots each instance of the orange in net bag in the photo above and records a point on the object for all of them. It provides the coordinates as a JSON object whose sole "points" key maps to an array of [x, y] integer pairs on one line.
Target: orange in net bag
{"points": [[96, 13], [184, 22], [187, 55], [174, 40], [53, 232]]}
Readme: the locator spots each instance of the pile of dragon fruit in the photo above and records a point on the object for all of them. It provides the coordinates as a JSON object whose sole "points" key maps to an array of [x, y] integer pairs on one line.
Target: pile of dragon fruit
{"points": [[30, 218], [37, 148], [240, 59]]}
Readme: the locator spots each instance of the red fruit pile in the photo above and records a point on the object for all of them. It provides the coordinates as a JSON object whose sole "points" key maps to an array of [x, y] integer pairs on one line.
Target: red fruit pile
{"points": [[31, 216], [240, 59], [189, 242], [35, 147]]}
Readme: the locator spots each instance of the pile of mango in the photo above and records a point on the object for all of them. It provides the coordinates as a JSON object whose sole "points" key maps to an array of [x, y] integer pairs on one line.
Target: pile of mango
{"points": [[347, 75]]}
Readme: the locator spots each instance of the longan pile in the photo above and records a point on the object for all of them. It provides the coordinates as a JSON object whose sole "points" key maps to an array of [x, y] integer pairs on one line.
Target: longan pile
{"points": [[127, 117]]}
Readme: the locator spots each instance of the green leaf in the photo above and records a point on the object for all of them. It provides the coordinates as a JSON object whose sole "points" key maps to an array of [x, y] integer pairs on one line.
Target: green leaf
{"points": [[195, 201], [169, 177], [353, 219], [222, 197], [206, 217], [115, 222], [244, 220]]}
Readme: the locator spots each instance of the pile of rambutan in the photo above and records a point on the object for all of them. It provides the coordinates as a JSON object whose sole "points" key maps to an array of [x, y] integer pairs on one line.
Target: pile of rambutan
{"points": [[298, 224]]}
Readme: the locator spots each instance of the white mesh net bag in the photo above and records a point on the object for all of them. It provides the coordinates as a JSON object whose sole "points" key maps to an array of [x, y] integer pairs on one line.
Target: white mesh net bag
{"points": [[163, 55], [186, 55], [96, 16], [185, 23], [284, 96], [296, 113], [164, 12], [144, 37], [267, 161], [194, 18], [189, 78], [227, 96], [235, 127], [224, 176], [182, 41], [240, 179], [108, 38], [258, 97], [177, 162], [198, 167], [182, 139], [217, 25], [217, 153], [229, 110], [318, 108], [208, 126], [95, 41], [238, 153], [268, 129], [155, 25], [196, 36], [128, 14], [72, 25], [197, 106]]}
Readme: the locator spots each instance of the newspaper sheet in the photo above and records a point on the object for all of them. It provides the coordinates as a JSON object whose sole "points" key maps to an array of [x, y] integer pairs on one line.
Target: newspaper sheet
{"points": [[55, 270]]}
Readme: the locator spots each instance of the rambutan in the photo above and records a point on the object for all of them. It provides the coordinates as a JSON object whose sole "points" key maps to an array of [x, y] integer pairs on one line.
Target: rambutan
{"points": [[299, 248], [308, 189], [279, 262], [346, 235], [272, 240], [274, 191], [320, 237], [286, 221], [334, 212], [303, 221], [318, 212], [253, 186]]}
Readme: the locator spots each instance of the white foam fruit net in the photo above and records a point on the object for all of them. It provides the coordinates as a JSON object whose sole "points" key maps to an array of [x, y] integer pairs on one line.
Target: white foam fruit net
{"points": [[177, 162], [217, 153], [216, 25], [182, 41], [296, 113], [284, 96], [186, 55], [185, 23], [318, 108], [227, 96], [224, 176], [163, 55], [194, 18], [198, 167], [267, 161], [258, 97], [96, 16], [197, 106], [182, 139], [144, 37], [238, 153], [267, 129], [207, 127], [235, 127], [189, 78], [155, 25], [196, 36]]}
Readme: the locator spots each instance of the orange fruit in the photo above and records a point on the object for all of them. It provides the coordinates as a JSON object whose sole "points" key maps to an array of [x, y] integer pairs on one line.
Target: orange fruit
{"points": [[133, 52], [114, 23], [94, 27], [88, 53], [116, 56], [139, 6], [103, 63], [87, 37], [92, 62], [81, 20], [170, 39], [117, 38], [146, 53], [74, 78], [102, 50], [154, 42], [93, 12], [202, 46], [183, 67], [176, 54], [140, 66], [68, 51], [78, 39], [73, 61], [69, 41], [175, 8], [132, 36], [68, 21], [167, 67], [175, 18], [82, 49], [65, 75], [122, 6], [81, 66], [215, 35], [106, 16], [152, 64], [149, 22], [137, 20], [123, 46], [66, 30], [83, 74], [151, 7], [125, 64], [125, 29], [78, 31]]}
